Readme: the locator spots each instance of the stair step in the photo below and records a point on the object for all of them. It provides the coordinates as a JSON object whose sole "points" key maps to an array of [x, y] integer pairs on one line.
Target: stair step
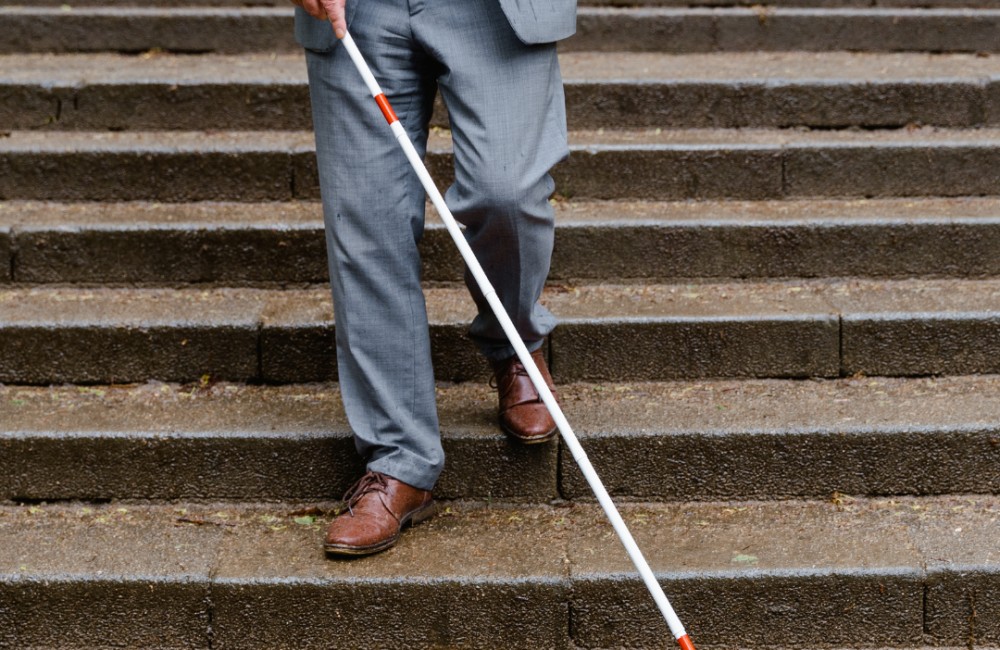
{"points": [[283, 4], [750, 439], [648, 164], [267, 243], [122, 335], [882, 573], [658, 26], [729, 90], [608, 332]]}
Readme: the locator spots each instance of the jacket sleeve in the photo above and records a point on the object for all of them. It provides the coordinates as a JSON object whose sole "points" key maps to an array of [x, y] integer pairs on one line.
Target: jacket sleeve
{"points": [[541, 21]]}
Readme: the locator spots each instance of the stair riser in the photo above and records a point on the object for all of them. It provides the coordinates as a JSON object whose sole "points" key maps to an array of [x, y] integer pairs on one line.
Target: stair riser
{"points": [[947, 4], [657, 466], [590, 105], [789, 464], [608, 251], [819, 609], [134, 613], [802, 346], [678, 31], [866, 607], [637, 172], [775, 30], [599, 349]]}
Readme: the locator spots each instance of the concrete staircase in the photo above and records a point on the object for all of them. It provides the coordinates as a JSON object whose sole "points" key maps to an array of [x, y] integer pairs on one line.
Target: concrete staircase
{"points": [[778, 273]]}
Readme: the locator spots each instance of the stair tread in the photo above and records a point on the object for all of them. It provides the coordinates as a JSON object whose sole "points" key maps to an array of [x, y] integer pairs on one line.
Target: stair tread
{"points": [[23, 142], [280, 7], [853, 571], [825, 298], [802, 537], [76, 70], [710, 408], [28, 216]]}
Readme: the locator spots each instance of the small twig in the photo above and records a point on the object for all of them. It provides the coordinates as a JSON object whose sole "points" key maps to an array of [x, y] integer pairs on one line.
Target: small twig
{"points": [[197, 521]]}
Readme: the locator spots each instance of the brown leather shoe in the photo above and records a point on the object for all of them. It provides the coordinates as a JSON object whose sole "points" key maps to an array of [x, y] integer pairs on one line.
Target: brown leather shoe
{"points": [[378, 507], [522, 413]]}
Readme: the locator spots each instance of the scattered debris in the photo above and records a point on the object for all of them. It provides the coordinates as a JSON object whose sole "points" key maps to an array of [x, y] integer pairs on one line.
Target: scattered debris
{"points": [[198, 521]]}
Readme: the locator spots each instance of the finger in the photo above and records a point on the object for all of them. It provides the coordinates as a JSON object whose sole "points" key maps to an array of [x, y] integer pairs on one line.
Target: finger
{"points": [[335, 10], [313, 7]]}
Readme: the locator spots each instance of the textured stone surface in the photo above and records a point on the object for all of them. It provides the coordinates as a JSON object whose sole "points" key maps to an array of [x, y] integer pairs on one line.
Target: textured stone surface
{"points": [[726, 439], [738, 573], [226, 441], [677, 440], [464, 580], [101, 335], [239, 243], [719, 567], [698, 331], [182, 166], [103, 576], [651, 164], [867, 170], [615, 89], [947, 29], [962, 594], [669, 26], [919, 328], [6, 254]]}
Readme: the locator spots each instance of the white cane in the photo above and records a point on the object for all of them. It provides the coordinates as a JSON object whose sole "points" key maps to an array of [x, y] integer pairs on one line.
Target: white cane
{"points": [[522, 352]]}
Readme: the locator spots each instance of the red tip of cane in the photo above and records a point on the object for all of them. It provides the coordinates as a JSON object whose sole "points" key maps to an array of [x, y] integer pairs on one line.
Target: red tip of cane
{"points": [[685, 643]]}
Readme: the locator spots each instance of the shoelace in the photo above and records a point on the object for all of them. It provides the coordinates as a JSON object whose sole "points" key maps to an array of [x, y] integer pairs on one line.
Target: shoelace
{"points": [[516, 370], [370, 482]]}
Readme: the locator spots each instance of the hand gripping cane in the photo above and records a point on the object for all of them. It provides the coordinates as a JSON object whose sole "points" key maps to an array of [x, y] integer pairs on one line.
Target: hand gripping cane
{"points": [[522, 352]]}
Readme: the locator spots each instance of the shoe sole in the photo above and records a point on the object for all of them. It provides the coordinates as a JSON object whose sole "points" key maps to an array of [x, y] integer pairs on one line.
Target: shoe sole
{"points": [[420, 514], [533, 440]]}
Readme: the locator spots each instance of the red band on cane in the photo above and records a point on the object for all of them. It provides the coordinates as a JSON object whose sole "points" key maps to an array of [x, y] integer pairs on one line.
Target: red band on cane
{"points": [[686, 643], [383, 103]]}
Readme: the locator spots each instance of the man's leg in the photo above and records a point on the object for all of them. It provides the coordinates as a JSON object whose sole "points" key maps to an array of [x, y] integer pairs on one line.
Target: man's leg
{"points": [[373, 210], [505, 101]]}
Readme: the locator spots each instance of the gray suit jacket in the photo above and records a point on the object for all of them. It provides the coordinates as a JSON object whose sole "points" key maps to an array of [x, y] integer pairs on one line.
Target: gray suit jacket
{"points": [[534, 21]]}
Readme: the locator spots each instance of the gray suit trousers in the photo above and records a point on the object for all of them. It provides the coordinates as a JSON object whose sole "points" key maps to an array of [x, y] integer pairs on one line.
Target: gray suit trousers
{"points": [[506, 106]]}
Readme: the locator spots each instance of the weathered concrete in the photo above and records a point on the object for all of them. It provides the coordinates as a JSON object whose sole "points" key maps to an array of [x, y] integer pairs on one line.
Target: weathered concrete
{"points": [[917, 328], [739, 573], [869, 170], [720, 569], [97, 577], [716, 439], [608, 332], [788, 238], [6, 252], [99, 335], [698, 330], [881, 29], [669, 27], [782, 439], [257, 91], [139, 29], [472, 579], [652, 164], [171, 167], [240, 243], [168, 243], [962, 596], [228, 441], [985, 4]]}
